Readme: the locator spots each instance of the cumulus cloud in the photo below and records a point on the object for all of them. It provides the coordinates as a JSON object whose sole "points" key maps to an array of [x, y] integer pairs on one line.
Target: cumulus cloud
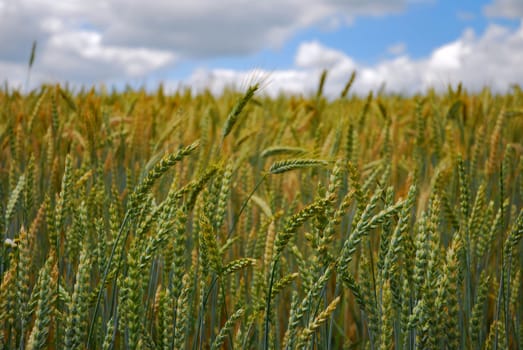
{"points": [[206, 28], [84, 50], [121, 39], [493, 59], [89, 42], [505, 8], [313, 55]]}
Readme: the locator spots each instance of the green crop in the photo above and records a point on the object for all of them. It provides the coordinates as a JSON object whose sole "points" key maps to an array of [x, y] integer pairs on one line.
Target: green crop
{"points": [[138, 220]]}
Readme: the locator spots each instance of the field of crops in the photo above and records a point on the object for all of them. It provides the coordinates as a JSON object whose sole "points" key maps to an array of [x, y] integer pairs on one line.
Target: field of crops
{"points": [[139, 220]]}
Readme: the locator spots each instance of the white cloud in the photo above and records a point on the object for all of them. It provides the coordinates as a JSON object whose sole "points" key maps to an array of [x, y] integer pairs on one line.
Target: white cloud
{"points": [[88, 46], [313, 54], [505, 8], [88, 42], [292, 81], [16, 71], [194, 28], [493, 59], [78, 39], [207, 27]]}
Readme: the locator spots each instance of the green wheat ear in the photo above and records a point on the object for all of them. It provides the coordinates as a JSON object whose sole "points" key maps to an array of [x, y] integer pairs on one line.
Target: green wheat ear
{"points": [[321, 83], [293, 164], [316, 324], [232, 118], [347, 87], [156, 172], [30, 64], [14, 198], [227, 327]]}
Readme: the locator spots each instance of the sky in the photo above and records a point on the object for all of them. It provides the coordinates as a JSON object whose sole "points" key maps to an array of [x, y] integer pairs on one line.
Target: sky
{"points": [[400, 46]]}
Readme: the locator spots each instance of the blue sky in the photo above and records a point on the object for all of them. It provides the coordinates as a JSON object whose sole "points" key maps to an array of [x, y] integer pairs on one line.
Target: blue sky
{"points": [[409, 44]]}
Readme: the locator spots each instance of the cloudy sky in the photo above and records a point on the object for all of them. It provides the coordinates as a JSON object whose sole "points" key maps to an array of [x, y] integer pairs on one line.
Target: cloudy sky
{"points": [[405, 46]]}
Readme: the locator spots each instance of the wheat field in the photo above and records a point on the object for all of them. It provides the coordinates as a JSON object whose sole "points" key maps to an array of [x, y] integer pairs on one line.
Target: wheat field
{"points": [[147, 220]]}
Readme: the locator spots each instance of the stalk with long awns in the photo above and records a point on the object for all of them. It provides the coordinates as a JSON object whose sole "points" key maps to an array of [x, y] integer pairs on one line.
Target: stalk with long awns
{"points": [[232, 118]]}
